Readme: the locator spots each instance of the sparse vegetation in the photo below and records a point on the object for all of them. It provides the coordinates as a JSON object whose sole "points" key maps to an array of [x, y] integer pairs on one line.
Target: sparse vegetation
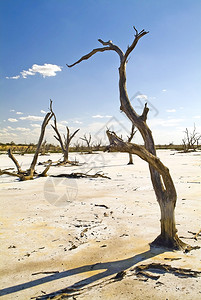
{"points": [[191, 140]]}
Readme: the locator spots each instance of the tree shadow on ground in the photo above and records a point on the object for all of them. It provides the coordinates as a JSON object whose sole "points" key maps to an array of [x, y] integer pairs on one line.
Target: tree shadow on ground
{"points": [[110, 268]]}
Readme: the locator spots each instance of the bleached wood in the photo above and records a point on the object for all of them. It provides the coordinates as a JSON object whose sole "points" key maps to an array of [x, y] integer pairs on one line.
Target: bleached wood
{"points": [[161, 179]]}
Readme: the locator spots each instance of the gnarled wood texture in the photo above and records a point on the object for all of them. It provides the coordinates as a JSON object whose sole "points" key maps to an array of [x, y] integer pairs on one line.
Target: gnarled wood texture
{"points": [[160, 176]]}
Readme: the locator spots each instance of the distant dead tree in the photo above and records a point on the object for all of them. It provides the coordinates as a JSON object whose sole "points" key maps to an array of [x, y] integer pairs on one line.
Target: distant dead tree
{"points": [[65, 144], [97, 145], [44, 148], [133, 132], [25, 150], [162, 182], [88, 142], [30, 173], [77, 146], [191, 140]]}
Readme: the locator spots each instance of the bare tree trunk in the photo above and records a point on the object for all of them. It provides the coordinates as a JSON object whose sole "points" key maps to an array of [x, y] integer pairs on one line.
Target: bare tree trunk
{"points": [[191, 140], [66, 156], [44, 173], [29, 174], [168, 226], [67, 139], [130, 159], [133, 132], [161, 179], [88, 142], [168, 236], [46, 120], [10, 154]]}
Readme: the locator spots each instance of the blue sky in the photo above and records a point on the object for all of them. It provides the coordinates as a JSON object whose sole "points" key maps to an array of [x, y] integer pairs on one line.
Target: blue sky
{"points": [[39, 37]]}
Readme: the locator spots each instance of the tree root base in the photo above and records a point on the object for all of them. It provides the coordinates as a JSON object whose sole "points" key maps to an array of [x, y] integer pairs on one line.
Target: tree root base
{"points": [[173, 243]]}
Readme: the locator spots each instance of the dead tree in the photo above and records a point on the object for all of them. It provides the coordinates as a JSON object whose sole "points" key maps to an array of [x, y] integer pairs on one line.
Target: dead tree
{"points": [[44, 148], [97, 146], [25, 150], [30, 173], [162, 182], [191, 140], [133, 132], [88, 142], [67, 139], [77, 147]]}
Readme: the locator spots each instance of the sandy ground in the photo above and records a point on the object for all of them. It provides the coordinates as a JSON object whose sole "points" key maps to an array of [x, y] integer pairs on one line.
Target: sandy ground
{"points": [[82, 232]]}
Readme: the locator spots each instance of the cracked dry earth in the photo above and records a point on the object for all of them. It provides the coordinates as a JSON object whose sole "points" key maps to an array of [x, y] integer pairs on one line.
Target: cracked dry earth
{"points": [[89, 238]]}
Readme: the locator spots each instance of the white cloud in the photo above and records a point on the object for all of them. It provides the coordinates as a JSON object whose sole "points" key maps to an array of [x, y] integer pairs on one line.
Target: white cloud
{"points": [[27, 73], [63, 122], [164, 122], [196, 117], [22, 129], [4, 130], [12, 120], [78, 122], [143, 97], [43, 111], [35, 125], [16, 129], [6, 136], [32, 118], [46, 70], [13, 77], [12, 110], [164, 90], [19, 113], [101, 117], [171, 110]]}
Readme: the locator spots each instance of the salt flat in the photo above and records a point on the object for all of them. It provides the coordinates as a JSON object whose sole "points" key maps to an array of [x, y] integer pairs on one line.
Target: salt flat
{"points": [[87, 230]]}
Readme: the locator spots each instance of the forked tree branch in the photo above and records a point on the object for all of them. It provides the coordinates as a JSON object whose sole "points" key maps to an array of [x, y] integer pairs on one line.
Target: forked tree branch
{"points": [[87, 139], [29, 174], [161, 179], [110, 46], [134, 43], [74, 133], [133, 132], [124, 99], [65, 143], [58, 137], [113, 47]]}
